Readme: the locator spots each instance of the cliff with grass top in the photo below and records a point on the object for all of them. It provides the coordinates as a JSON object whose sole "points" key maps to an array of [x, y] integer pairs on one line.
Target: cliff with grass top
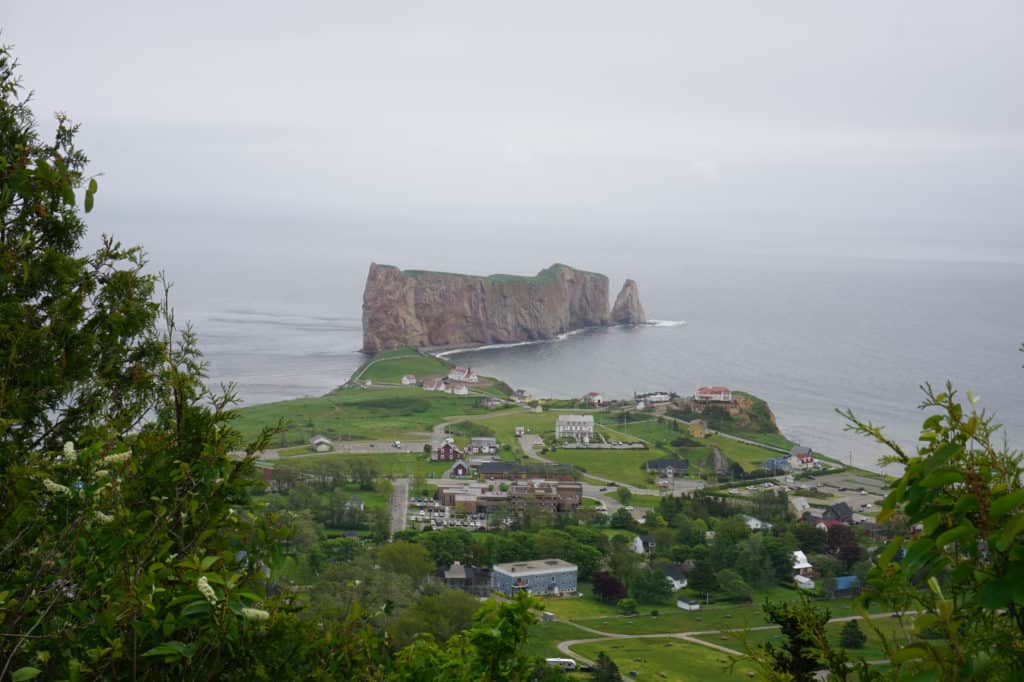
{"points": [[438, 309]]}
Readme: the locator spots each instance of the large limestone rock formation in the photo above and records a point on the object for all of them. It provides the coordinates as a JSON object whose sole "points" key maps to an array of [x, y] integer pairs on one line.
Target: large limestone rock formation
{"points": [[425, 309], [627, 308]]}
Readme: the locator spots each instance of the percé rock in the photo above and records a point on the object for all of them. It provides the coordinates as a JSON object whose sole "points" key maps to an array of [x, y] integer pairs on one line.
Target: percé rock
{"points": [[432, 309], [627, 308]]}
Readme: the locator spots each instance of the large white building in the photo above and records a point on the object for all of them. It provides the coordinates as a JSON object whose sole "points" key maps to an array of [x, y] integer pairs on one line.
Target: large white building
{"points": [[578, 426], [713, 394]]}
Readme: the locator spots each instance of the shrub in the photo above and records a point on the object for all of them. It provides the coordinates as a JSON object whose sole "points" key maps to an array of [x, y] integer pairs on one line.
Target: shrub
{"points": [[627, 606]]}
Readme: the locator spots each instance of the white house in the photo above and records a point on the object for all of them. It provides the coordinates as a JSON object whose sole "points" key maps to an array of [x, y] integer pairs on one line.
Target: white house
{"points": [[594, 398], [465, 374], [803, 582], [713, 394], [320, 444], [578, 426], [652, 398], [801, 458], [434, 385], [409, 379], [460, 390], [801, 566], [756, 524]]}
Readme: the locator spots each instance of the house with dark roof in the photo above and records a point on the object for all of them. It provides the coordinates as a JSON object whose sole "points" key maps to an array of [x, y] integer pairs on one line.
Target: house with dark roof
{"points": [[674, 572], [458, 470], [838, 512], [662, 466], [493, 470], [459, 576]]}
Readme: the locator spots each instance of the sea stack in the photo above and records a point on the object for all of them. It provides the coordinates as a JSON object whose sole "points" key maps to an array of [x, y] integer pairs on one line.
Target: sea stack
{"points": [[437, 309], [627, 308]]}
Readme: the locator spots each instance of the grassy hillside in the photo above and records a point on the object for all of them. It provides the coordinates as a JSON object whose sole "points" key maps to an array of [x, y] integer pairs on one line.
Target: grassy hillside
{"points": [[358, 414], [388, 367]]}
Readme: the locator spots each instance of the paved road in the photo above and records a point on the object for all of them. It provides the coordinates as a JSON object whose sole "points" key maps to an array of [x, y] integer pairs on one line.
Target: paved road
{"points": [[399, 504]]}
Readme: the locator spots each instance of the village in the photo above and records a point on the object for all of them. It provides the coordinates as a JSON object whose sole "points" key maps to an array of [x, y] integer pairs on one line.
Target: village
{"points": [[711, 503]]}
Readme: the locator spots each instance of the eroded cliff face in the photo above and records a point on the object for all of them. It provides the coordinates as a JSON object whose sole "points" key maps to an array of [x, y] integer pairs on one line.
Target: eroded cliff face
{"points": [[627, 308], [418, 308]]}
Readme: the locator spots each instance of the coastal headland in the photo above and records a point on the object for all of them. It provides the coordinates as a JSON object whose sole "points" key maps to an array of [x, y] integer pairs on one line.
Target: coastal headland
{"points": [[425, 309]]}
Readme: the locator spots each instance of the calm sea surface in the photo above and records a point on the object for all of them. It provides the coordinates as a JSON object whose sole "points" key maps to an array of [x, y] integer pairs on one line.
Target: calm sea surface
{"points": [[808, 335]]}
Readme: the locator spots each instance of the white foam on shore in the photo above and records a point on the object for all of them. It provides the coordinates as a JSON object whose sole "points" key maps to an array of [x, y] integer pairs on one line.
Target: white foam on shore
{"points": [[665, 323], [470, 349], [493, 346]]}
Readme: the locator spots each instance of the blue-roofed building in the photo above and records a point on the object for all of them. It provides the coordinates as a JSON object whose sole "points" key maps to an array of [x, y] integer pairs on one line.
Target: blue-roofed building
{"points": [[847, 585], [777, 465]]}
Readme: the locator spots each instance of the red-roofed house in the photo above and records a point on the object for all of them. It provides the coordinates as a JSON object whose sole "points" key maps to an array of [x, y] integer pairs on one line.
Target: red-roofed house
{"points": [[465, 374], [594, 398], [713, 394]]}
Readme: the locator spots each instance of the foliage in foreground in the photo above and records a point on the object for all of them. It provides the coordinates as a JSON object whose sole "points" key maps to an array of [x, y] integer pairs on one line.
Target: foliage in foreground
{"points": [[957, 574]]}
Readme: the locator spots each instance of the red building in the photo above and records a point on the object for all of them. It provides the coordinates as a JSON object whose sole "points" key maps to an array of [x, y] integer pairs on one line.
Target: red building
{"points": [[446, 453]]}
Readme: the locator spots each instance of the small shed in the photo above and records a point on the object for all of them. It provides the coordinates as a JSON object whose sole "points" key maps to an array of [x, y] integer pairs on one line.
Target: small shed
{"points": [[320, 444], [687, 605]]}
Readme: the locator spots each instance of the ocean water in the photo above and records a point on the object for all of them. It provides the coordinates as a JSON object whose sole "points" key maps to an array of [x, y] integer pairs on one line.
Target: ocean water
{"points": [[807, 332]]}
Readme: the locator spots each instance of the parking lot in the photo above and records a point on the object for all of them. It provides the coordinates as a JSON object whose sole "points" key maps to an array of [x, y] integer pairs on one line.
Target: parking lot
{"points": [[425, 512], [864, 494]]}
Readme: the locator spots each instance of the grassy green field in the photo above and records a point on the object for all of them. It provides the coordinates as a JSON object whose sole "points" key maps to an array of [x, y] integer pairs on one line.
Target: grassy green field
{"points": [[621, 466], [544, 638], [661, 435], [750, 457], [389, 463], [872, 650], [666, 659], [390, 366], [357, 414], [504, 425]]}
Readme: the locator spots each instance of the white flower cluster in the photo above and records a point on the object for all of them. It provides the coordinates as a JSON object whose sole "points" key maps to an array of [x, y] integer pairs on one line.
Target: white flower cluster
{"points": [[56, 488], [103, 518], [101, 473], [117, 458], [255, 614], [204, 589], [69, 448]]}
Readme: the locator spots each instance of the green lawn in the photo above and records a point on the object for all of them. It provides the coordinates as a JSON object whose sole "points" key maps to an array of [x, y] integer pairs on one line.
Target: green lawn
{"points": [[357, 414], [389, 463], [389, 367], [872, 650], [621, 466], [504, 425], [645, 501], [666, 659], [544, 638], [750, 457]]}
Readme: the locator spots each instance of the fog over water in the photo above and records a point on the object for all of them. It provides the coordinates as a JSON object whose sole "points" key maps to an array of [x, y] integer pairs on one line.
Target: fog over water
{"points": [[829, 195]]}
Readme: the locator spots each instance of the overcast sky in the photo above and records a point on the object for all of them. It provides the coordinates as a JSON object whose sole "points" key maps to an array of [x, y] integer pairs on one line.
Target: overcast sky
{"points": [[231, 120]]}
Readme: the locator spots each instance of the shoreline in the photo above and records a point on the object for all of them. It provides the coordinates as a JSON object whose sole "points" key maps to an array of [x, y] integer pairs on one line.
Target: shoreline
{"points": [[445, 351]]}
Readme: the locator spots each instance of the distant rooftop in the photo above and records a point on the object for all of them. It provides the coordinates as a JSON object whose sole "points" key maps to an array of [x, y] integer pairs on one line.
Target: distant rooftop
{"points": [[534, 567]]}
